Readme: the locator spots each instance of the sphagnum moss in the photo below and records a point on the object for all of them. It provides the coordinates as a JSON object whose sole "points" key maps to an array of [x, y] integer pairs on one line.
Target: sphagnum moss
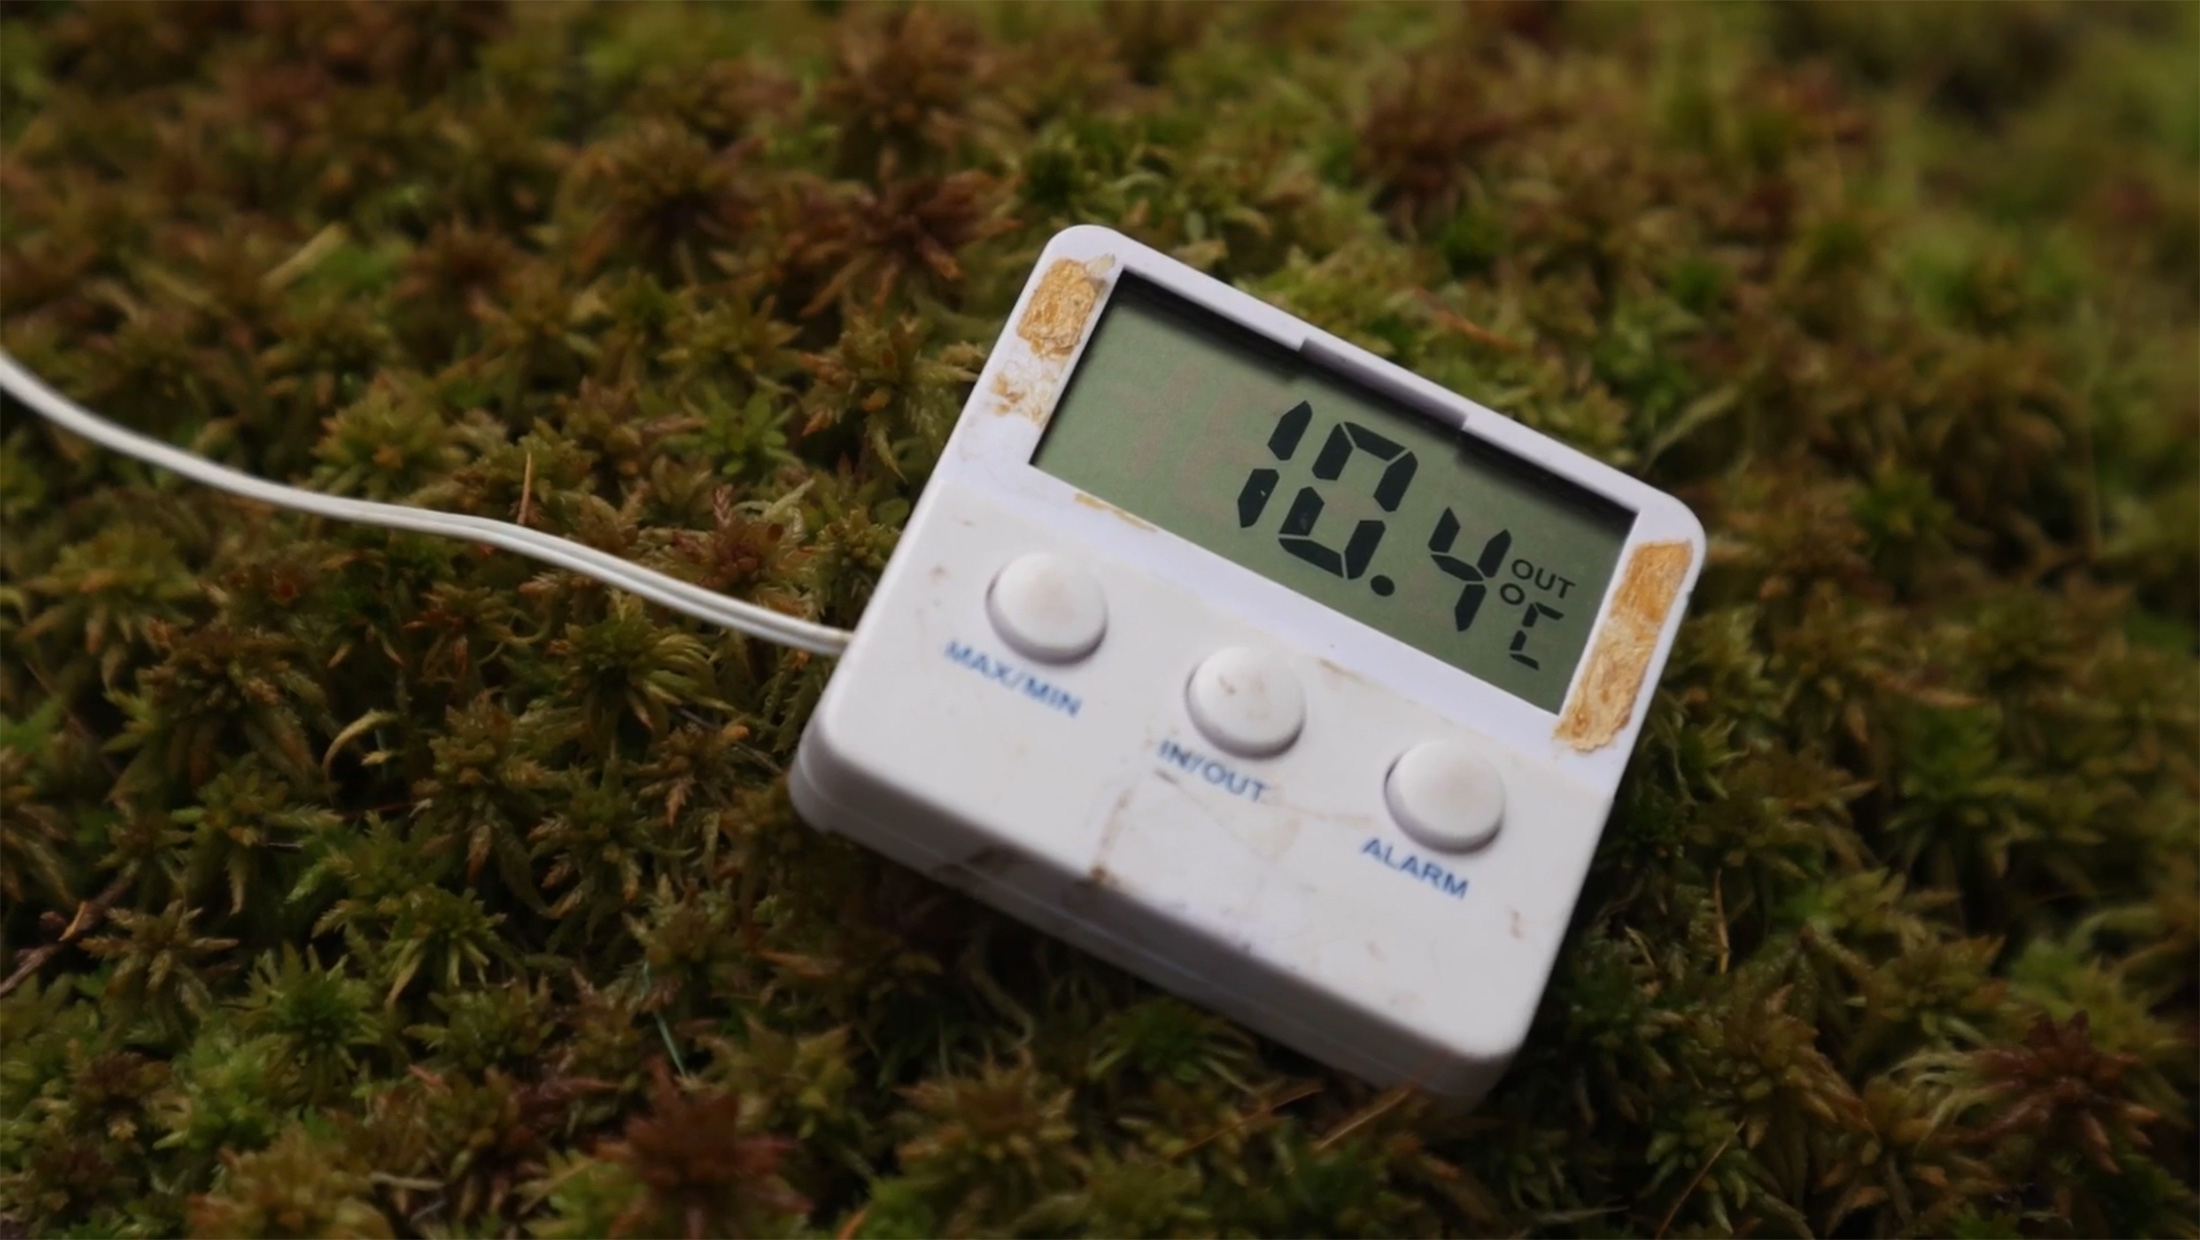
{"points": [[361, 884]]}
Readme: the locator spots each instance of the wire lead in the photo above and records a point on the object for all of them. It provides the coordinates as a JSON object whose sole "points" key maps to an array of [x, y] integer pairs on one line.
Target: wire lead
{"points": [[666, 591]]}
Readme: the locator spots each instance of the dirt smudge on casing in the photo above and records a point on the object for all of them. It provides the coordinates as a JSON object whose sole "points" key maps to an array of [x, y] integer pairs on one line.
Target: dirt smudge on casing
{"points": [[1111, 828], [1113, 511]]}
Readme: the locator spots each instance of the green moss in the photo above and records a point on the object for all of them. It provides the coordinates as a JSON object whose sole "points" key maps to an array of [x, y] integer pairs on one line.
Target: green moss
{"points": [[368, 884]]}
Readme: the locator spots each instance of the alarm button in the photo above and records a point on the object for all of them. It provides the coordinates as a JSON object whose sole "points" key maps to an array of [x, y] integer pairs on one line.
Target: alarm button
{"points": [[1446, 795], [1048, 608], [1246, 701]]}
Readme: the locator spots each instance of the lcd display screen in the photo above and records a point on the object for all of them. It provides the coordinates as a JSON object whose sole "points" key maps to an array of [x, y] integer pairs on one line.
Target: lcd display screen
{"points": [[1249, 450]]}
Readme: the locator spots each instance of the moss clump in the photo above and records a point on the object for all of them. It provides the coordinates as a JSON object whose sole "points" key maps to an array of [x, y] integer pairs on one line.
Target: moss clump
{"points": [[372, 885]]}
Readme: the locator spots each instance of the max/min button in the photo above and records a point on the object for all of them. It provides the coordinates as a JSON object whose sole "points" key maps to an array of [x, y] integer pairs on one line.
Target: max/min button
{"points": [[1047, 608], [1247, 702], [1446, 795]]}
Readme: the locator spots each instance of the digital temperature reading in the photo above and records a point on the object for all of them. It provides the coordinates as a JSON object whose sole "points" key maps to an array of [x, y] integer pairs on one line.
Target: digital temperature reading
{"points": [[1250, 450]]}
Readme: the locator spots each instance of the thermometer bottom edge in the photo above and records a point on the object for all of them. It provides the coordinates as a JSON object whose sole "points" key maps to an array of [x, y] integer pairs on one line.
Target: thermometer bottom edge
{"points": [[1456, 1081]]}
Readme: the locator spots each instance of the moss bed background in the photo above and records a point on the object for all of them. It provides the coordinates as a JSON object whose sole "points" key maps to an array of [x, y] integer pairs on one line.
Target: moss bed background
{"points": [[360, 884]]}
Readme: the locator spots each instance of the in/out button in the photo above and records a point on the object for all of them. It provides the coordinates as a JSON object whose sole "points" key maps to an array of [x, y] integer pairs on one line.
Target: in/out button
{"points": [[1247, 701], [1047, 608]]}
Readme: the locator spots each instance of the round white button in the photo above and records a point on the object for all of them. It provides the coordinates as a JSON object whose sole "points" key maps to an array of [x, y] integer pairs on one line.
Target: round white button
{"points": [[1048, 608], [1247, 702], [1446, 795]]}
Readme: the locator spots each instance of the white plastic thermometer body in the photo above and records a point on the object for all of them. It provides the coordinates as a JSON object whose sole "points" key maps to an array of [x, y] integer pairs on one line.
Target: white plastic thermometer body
{"points": [[1196, 771]]}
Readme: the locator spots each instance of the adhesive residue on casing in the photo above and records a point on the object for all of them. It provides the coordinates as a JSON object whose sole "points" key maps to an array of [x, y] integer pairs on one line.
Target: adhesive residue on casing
{"points": [[1052, 325], [1055, 320], [1604, 701]]}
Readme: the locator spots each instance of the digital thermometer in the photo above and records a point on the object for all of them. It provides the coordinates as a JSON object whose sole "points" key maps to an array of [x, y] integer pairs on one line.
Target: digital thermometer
{"points": [[1258, 666]]}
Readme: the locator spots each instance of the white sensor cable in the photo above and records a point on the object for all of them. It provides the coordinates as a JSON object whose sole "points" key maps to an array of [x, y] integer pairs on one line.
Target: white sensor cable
{"points": [[680, 596]]}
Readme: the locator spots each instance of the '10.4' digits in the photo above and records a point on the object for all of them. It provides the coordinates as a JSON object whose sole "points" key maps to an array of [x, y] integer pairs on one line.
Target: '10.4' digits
{"points": [[1297, 533]]}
